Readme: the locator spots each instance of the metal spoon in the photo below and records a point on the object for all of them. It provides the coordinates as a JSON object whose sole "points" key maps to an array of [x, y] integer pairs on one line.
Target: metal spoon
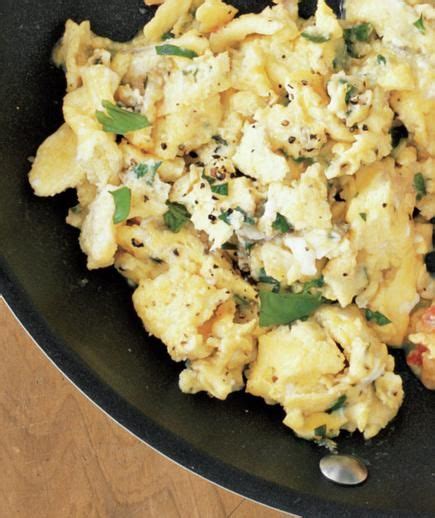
{"points": [[346, 470]]}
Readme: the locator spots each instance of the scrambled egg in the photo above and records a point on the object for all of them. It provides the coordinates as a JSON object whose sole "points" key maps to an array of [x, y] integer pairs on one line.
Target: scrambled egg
{"points": [[266, 183]]}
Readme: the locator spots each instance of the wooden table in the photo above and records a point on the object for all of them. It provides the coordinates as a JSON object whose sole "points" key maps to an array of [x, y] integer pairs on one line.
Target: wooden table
{"points": [[60, 456]]}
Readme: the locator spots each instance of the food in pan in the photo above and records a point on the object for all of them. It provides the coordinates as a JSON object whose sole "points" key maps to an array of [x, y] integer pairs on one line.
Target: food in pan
{"points": [[267, 185]]}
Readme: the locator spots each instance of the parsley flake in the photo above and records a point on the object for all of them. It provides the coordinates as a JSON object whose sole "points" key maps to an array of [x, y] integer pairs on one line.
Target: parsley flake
{"points": [[420, 186], [119, 120], [281, 224], [377, 317], [360, 32], [176, 216], [320, 431], [167, 36], [148, 170], [267, 279], [221, 189], [286, 308], [340, 403], [122, 198], [315, 38], [246, 218], [173, 50], [314, 283], [420, 25]]}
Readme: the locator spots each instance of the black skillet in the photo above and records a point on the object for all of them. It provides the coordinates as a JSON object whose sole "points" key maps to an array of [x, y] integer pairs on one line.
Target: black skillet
{"points": [[86, 324]]}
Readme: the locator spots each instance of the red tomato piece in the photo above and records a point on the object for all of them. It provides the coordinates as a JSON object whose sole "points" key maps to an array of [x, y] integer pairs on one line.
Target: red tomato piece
{"points": [[415, 357]]}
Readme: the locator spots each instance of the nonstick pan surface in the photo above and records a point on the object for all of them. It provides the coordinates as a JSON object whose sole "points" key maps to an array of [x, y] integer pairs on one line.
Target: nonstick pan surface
{"points": [[86, 324]]}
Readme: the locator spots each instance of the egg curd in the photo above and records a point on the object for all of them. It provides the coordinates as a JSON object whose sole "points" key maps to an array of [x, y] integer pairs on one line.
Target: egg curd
{"points": [[266, 183]]}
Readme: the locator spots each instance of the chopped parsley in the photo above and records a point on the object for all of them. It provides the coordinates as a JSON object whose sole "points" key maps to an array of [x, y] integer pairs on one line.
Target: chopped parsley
{"points": [[314, 283], [360, 32], [315, 38], [225, 216], [340, 403], [381, 59], [377, 317], [148, 170], [420, 25], [176, 216], [285, 308], [221, 189], [119, 120], [122, 198], [172, 50], [350, 90], [420, 186], [363, 215], [320, 431], [281, 224], [267, 279], [167, 36], [246, 218], [303, 160]]}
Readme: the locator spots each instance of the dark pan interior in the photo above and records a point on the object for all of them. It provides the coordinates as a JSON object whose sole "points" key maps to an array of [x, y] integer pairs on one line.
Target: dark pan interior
{"points": [[86, 324]]}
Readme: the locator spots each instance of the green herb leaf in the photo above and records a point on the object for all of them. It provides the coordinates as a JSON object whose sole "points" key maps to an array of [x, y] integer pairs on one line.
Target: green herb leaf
{"points": [[302, 159], [225, 216], [360, 32], [176, 216], [350, 90], [122, 199], [315, 38], [120, 121], [354, 34], [249, 246], [229, 246], [314, 283], [267, 279], [221, 189], [173, 50], [167, 36], [420, 25], [363, 215], [285, 308], [149, 170], [420, 186], [381, 60], [340, 403], [320, 431], [281, 224], [376, 317], [248, 219]]}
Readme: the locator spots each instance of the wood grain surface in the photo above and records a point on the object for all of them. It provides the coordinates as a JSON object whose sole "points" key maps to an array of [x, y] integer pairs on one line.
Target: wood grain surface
{"points": [[60, 456]]}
